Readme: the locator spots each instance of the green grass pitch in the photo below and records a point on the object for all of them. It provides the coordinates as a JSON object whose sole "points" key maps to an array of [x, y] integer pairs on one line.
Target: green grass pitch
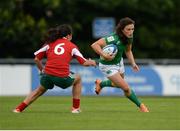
{"points": [[98, 113]]}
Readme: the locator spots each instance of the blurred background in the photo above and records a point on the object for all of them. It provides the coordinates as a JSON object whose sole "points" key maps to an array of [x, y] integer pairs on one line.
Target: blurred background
{"points": [[156, 44], [24, 22]]}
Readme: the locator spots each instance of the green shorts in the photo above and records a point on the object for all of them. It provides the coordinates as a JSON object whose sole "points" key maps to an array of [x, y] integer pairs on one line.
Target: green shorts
{"points": [[48, 81]]}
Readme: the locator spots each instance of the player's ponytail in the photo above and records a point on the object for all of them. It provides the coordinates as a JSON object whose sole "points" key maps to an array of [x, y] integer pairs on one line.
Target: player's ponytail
{"points": [[51, 35]]}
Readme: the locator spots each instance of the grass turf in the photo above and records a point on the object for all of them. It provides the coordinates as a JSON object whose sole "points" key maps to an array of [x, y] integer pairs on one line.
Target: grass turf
{"points": [[98, 113]]}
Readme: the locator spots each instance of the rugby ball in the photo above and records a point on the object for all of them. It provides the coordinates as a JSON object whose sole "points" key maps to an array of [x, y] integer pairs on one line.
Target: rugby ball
{"points": [[110, 49]]}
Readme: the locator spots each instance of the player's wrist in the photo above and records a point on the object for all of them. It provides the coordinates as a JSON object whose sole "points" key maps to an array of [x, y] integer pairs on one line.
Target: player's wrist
{"points": [[41, 72], [133, 64]]}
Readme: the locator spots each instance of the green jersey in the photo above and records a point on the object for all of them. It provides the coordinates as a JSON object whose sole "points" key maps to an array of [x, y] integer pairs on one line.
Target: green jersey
{"points": [[115, 39]]}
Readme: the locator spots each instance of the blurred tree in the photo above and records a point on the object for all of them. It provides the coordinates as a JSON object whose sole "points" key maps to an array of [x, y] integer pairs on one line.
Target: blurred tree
{"points": [[20, 32], [24, 22]]}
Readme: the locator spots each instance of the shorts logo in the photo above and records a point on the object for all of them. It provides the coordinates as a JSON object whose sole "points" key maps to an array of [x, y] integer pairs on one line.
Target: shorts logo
{"points": [[108, 72]]}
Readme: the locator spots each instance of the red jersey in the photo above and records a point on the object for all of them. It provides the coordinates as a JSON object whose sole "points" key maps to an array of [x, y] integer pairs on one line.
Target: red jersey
{"points": [[59, 54]]}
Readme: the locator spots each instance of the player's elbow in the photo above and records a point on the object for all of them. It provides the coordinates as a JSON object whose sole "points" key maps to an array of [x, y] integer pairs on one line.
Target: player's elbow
{"points": [[93, 45]]}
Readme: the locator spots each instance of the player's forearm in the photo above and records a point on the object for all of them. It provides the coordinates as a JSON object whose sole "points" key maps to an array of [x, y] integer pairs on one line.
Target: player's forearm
{"points": [[89, 62], [130, 57], [98, 45], [38, 64], [97, 49]]}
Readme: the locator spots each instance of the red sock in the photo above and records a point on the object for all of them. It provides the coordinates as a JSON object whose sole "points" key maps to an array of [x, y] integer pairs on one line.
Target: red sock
{"points": [[21, 106], [76, 103]]}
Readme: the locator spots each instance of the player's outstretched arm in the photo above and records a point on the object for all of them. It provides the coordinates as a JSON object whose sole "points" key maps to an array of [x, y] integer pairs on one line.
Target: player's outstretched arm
{"points": [[89, 62]]}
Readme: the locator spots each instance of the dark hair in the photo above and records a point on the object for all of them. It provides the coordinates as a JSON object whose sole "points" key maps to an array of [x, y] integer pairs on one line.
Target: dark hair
{"points": [[121, 25], [64, 30], [57, 32]]}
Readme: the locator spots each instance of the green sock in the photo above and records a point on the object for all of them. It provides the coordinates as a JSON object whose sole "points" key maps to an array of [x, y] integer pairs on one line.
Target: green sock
{"points": [[134, 98], [106, 83]]}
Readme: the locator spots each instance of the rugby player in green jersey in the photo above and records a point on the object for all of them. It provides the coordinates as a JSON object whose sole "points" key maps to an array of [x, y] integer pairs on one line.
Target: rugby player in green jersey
{"points": [[113, 67]]}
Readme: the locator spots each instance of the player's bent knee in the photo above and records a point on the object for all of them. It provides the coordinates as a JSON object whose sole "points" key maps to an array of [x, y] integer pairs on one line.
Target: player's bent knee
{"points": [[77, 79]]}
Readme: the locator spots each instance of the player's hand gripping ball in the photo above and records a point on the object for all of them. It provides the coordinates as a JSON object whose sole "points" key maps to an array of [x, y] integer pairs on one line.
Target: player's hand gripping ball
{"points": [[110, 49]]}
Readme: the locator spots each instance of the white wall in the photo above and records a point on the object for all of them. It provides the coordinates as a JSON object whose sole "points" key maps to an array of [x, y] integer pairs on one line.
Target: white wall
{"points": [[170, 76], [15, 79]]}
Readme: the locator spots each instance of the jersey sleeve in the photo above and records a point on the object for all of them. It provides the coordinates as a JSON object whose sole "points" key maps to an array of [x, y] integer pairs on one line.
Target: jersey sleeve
{"points": [[77, 54], [41, 53], [110, 39]]}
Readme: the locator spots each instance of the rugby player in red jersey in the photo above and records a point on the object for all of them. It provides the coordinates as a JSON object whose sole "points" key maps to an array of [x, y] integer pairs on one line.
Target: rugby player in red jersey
{"points": [[59, 51]]}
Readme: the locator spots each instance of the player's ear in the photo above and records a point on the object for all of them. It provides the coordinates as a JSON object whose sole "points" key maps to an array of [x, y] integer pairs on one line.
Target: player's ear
{"points": [[69, 37]]}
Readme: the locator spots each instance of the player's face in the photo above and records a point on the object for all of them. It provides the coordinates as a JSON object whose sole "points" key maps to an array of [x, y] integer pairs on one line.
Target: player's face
{"points": [[128, 30]]}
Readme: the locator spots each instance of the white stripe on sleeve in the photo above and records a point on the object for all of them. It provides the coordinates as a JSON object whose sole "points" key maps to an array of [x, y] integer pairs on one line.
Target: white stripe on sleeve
{"points": [[43, 49], [76, 52]]}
